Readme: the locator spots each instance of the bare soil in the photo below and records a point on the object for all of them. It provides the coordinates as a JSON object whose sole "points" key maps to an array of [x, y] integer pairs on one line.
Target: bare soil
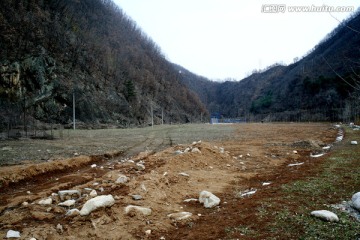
{"points": [[233, 159]]}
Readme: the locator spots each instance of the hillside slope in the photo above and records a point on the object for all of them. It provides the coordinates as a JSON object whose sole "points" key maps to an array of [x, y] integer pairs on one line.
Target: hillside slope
{"points": [[322, 86], [52, 50]]}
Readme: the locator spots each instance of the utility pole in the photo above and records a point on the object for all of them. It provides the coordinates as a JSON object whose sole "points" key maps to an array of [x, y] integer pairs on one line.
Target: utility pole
{"points": [[152, 115], [162, 116], [74, 110]]}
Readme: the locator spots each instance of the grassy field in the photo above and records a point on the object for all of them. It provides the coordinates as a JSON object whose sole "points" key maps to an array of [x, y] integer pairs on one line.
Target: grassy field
{"points": [[334, 181]]}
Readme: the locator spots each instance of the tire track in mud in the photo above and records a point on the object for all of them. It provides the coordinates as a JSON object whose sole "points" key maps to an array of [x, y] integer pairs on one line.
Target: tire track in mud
{"points": [[84, 173]]}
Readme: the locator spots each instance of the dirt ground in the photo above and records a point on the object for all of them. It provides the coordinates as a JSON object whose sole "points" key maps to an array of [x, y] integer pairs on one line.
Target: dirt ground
{"points": [[180, 162]]}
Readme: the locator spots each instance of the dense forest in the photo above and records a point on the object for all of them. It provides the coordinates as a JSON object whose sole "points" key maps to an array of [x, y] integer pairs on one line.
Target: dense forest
{"points": [[324, 85], [89, 54], [52, 51]]}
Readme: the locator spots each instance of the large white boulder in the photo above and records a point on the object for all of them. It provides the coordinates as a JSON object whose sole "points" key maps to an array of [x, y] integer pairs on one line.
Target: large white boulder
{"points": [[97, 202], [355, 200], [325, 215], [208, 199]]}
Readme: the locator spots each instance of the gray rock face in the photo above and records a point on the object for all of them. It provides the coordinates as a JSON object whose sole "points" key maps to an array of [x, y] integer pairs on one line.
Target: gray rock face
{"points": [[325, 215], [208, 199]]}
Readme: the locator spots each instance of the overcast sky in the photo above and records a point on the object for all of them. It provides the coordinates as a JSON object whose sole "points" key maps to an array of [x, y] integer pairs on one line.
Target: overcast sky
{"points": [[221, 39]]}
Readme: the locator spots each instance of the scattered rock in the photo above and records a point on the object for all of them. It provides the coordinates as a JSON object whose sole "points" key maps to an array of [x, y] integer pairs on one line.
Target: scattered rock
{"points": [[222, 150], [93, 166], [247, 193], [67, 203], [148, 232], [24, 204], [140, 167], [295, 164], [136, 197], [93, 193], [97, 202], [195, 150], [317, 155], [184, 174], [354, 143], [266, 183], [59, 228], [12, 234], [122, 179], [355, 201], [177, 152], [295, 152], [70, 193], [191, 200], [325, 215], [180, 216], [208, 199], [47, 201], [326, 147], [73, 212], [132, 210]]}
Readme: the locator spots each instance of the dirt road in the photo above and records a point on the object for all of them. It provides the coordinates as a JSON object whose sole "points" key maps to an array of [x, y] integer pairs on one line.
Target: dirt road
{"points": [[179, 161]]}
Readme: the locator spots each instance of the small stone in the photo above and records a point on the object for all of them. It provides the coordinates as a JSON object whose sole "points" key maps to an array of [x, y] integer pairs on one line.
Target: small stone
{"points": [[354, 143], [191, 200], [73, 212], [180, 216], [67, 203], [148, 232], [47, 201], [65, 193], [93, 166], [325, 215], [184, 174], [131, 210], [177, 152], [140, 167], [208, 199], [122, 179], [59, 228], [12, 234], [266, 184], [295, 152], [24, 204], [136, 197], [195, 150], [93, 193]]}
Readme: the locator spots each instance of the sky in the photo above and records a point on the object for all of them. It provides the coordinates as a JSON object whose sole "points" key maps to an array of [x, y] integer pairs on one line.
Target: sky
{"points": [[228, 39]]}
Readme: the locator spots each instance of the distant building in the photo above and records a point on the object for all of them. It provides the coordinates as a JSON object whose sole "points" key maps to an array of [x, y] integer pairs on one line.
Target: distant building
{"points": [[215, 118]]}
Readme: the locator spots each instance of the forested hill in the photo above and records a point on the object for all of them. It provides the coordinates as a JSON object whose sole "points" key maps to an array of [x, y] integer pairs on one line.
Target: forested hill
{"points": [[322, 86], [52, 49]]}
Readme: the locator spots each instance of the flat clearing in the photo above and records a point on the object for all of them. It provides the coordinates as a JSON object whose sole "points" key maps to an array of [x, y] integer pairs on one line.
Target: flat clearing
{"points": [[230, 161]]}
